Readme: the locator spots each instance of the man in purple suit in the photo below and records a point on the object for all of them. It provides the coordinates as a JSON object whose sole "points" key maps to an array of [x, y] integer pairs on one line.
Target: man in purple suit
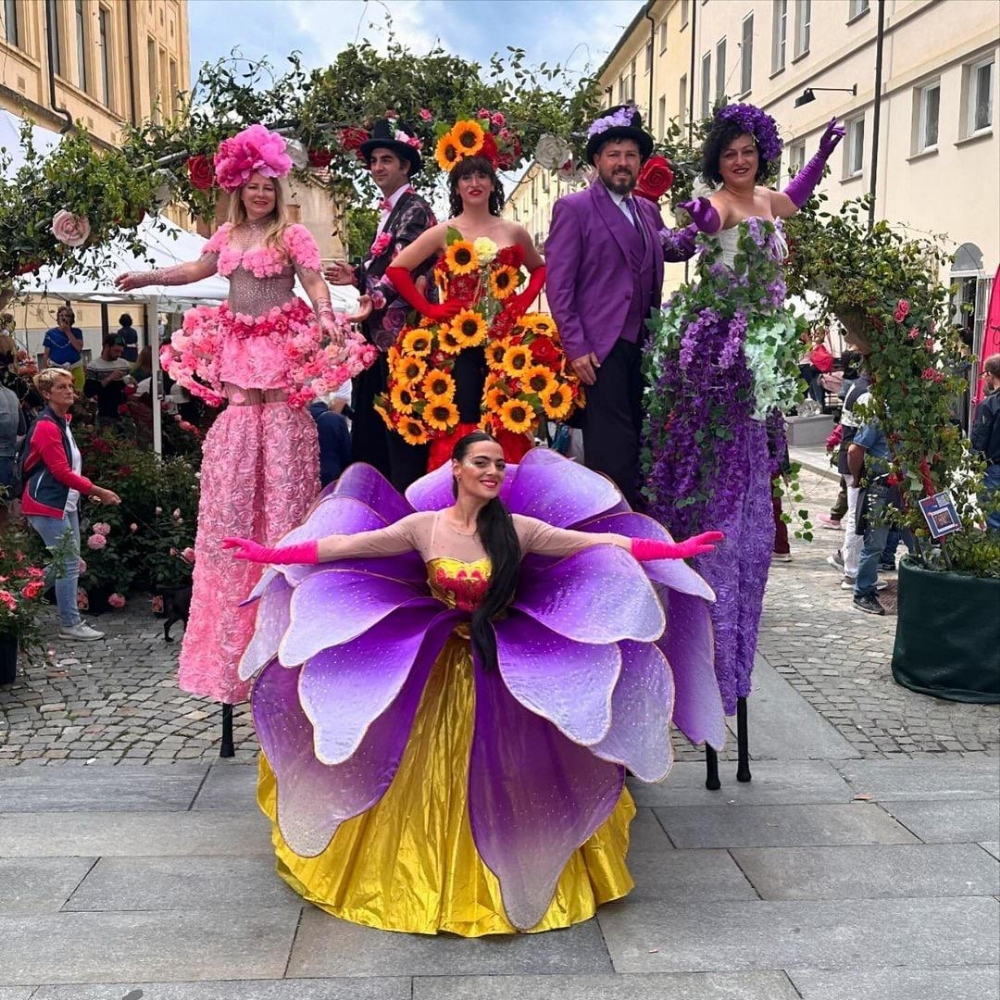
{"points": [[604, 257]]}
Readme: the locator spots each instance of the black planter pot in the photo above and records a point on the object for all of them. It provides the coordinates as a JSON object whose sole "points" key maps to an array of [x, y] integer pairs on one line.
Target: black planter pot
{"points": [[8, 659], [948, 635]]}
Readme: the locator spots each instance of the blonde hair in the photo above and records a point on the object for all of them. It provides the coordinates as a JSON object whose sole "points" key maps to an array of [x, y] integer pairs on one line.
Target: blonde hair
{"points": [[280, 220], [45, 380]]}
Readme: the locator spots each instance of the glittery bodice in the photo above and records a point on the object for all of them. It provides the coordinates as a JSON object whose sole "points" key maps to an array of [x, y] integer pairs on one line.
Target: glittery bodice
{"points": [[729, 240], [255, 296], [457, 583]]}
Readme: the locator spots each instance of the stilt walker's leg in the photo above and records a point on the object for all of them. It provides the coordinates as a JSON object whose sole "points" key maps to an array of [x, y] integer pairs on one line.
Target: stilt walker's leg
{"points": [[227, 749], [742, 741], [712, 782]]}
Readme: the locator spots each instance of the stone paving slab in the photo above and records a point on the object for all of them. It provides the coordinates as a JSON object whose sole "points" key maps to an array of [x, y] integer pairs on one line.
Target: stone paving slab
{"points": [[782, 826], [993, 847], [898, 984], [788, 782], [847, 934], [876, 872], [961, 821], [680, 986], [83, 947], [16, 992], [680, 876], [889, 780], [325, 946], [39, 885], [378, 988], [228, 787], [155, 789], [185, 883], [33, 835]]}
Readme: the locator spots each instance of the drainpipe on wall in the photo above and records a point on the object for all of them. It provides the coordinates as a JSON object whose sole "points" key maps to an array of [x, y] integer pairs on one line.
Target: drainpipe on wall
{"points": [[130, 58], [51, 39], [652, 55]]}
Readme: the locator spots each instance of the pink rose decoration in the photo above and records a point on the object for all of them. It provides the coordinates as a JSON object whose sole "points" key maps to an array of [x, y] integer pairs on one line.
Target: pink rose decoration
{"points": [[381, 244], [102, 528], [188, 554], [96, 542], [82, 568], [498, 119], [483, 113], [116, 601], [255, 149], [133, 528], [902, 308], [177, 514], [425, 115], [73, 230]]}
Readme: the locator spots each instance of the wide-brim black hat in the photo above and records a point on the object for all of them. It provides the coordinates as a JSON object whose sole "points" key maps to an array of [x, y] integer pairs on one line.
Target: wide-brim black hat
{"points": [[383, 136], [620, 122]]}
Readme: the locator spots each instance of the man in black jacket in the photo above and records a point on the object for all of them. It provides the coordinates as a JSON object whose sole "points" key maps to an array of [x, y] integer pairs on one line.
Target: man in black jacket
{"points": [[985, 436]]}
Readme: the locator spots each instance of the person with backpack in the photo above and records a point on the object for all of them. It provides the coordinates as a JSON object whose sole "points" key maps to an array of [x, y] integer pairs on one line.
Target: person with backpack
{"points": [[50, 468]]}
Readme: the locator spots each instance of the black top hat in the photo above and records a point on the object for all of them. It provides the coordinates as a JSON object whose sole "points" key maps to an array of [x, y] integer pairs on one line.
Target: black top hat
{"points": [[620, 122], [383, 136]]}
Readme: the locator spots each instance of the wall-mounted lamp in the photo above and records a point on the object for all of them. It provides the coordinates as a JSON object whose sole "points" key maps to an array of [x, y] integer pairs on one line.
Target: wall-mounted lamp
{"points": [[807, 96]]}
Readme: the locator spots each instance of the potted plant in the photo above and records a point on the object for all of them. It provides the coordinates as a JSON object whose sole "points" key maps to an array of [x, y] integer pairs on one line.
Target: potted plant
{"points": [[168, 553], [884, 287], [106, 571], [22, 584]]}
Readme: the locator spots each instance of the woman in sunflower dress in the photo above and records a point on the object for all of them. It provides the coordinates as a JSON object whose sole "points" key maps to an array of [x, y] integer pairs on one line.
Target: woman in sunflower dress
{"points": [[455, 371]]}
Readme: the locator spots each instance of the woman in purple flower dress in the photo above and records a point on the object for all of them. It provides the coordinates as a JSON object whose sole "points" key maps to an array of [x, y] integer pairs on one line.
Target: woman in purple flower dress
{"points": [[721, 361], [447, 694]]}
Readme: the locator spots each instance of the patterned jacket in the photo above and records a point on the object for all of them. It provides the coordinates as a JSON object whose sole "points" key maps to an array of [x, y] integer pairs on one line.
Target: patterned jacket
{"points": [[410, 217]]}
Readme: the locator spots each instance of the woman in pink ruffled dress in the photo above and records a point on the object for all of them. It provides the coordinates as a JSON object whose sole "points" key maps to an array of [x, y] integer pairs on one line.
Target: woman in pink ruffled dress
{"points": [[264, 353]]}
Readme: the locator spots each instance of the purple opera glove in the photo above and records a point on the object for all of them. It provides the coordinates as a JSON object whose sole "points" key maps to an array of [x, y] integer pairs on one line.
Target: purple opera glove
{"points": [[678, 244], [303, 552], [703, 215], [646, 549], [802, 185]]}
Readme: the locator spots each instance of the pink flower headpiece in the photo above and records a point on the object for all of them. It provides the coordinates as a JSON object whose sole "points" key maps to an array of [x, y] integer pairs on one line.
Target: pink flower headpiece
{"points": [[255, 149]]}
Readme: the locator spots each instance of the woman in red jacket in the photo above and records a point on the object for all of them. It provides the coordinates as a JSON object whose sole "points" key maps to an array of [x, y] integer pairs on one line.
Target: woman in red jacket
{"points": [[53, 485]]}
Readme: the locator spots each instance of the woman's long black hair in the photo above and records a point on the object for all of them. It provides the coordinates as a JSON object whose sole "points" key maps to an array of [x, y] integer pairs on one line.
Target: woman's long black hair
{"points": [[474, 165], [495, 528], [720, 136]]}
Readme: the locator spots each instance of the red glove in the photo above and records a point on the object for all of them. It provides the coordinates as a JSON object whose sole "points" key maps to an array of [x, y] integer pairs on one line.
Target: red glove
{"points": [[519, 304], [303, 552], [646, 549], [402, 281]]}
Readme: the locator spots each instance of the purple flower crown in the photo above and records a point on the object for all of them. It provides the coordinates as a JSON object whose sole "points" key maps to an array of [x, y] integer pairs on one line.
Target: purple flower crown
{"points": [[622, 118], [758, 123]]}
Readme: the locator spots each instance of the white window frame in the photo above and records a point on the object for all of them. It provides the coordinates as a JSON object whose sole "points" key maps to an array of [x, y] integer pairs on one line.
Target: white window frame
{"points": [[633, 69], [921, 100], [796, 157], [650, 55], [854, 148], [682, 95], [663, 36], [803, 23], [12, 24], [706, 84], [856, 8], [720, 70], [972, 94], [746, 54], [779, 34]]}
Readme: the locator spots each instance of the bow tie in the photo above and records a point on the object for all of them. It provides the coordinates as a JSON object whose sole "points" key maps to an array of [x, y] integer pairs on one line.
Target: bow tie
{"points": [[385, 205]]}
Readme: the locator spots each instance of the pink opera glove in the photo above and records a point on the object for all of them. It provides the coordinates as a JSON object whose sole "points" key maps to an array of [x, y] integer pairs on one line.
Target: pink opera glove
{"points": [[161, 276], [304, 552], [703, 215], [802, 185], [647, 549], [328, 322]]}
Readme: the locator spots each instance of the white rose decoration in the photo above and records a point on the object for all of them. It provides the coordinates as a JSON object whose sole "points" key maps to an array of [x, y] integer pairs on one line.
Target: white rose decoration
{"points": [[73, 230], [485, 249], [297, 153], [552, 152]]}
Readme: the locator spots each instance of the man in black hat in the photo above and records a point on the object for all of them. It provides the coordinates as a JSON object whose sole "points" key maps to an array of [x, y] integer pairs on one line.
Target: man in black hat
{"points": [[605, 275], [393, 157]]}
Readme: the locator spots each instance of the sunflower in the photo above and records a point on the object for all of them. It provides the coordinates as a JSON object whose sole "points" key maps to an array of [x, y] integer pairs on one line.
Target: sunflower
{"points": [[461, 257], [441, 415], [417, 343], [409, 370], [467, 136], [447, 152], [540, 323], [538, 379], [503, 281], [413, 431], [380, 410], [402, 399], [557, 402], [426, 321], [495, 352], [494, 398], [517, 417], [393, 356], [469, 328], [449, 341], [438, 387], [516, 360]]}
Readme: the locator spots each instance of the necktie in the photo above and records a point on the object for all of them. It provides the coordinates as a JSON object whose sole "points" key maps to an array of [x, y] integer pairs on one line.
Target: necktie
{"points": [[385, 206], [634, 212]]}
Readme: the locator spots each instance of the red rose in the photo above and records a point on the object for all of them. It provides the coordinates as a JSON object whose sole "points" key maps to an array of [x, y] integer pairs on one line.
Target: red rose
{"points": [[463, 287], [512, 256], [201, 172], [351, 138], [654, 178], [542, 349], [320, 158], [33, 589], [29, 268], [489, 148]]}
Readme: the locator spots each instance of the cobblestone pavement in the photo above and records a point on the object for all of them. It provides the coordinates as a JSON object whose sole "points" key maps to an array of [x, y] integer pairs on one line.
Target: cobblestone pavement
{"points": [[118, 700]]}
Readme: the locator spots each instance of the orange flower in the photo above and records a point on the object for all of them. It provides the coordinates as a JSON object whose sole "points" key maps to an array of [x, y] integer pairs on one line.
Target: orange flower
{"points": [[495, 397], [379, 408], [417, 343], [402, 399], [447, 152], [413, 431], [538, 379], [461, 257], [449, 341], [557, 403], [468, 136], [441, 415], [495, 352], [540, 323], [438, 386], [517, 417], [516, 360], [469, 328], [503, 281], [409, 369]]}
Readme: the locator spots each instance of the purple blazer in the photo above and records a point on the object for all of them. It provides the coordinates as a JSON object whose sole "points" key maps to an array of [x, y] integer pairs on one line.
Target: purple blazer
{"points": [[591, 273]]}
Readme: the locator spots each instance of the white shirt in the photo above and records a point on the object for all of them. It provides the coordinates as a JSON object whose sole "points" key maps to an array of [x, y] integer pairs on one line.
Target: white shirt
{"points": [[621, 200], [76, 461], [386, 212]]}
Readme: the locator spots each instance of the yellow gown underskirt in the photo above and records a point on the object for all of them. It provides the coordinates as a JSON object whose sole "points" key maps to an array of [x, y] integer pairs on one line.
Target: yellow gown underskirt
{"points": [[410, 863]]}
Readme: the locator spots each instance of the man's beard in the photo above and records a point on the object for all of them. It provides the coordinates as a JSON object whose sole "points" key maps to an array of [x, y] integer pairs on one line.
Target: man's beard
{"points": [[621, 183]]}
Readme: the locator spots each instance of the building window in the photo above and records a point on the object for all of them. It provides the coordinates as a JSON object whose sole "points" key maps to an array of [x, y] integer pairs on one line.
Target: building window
{"points": [[720, 71], [928, 107], [682, 97], [979, 96], [104, 29], [854, 148], [11, 27], [796, 157], [81, 46], [663, 36], [706, 84], [684, 13], [746, 55], [856, 8], [622, 89], [779, 27], [631, 87], [154, 106], [662, 117], [175, 101], [803, 18], [55, 42], [649, 57]]}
